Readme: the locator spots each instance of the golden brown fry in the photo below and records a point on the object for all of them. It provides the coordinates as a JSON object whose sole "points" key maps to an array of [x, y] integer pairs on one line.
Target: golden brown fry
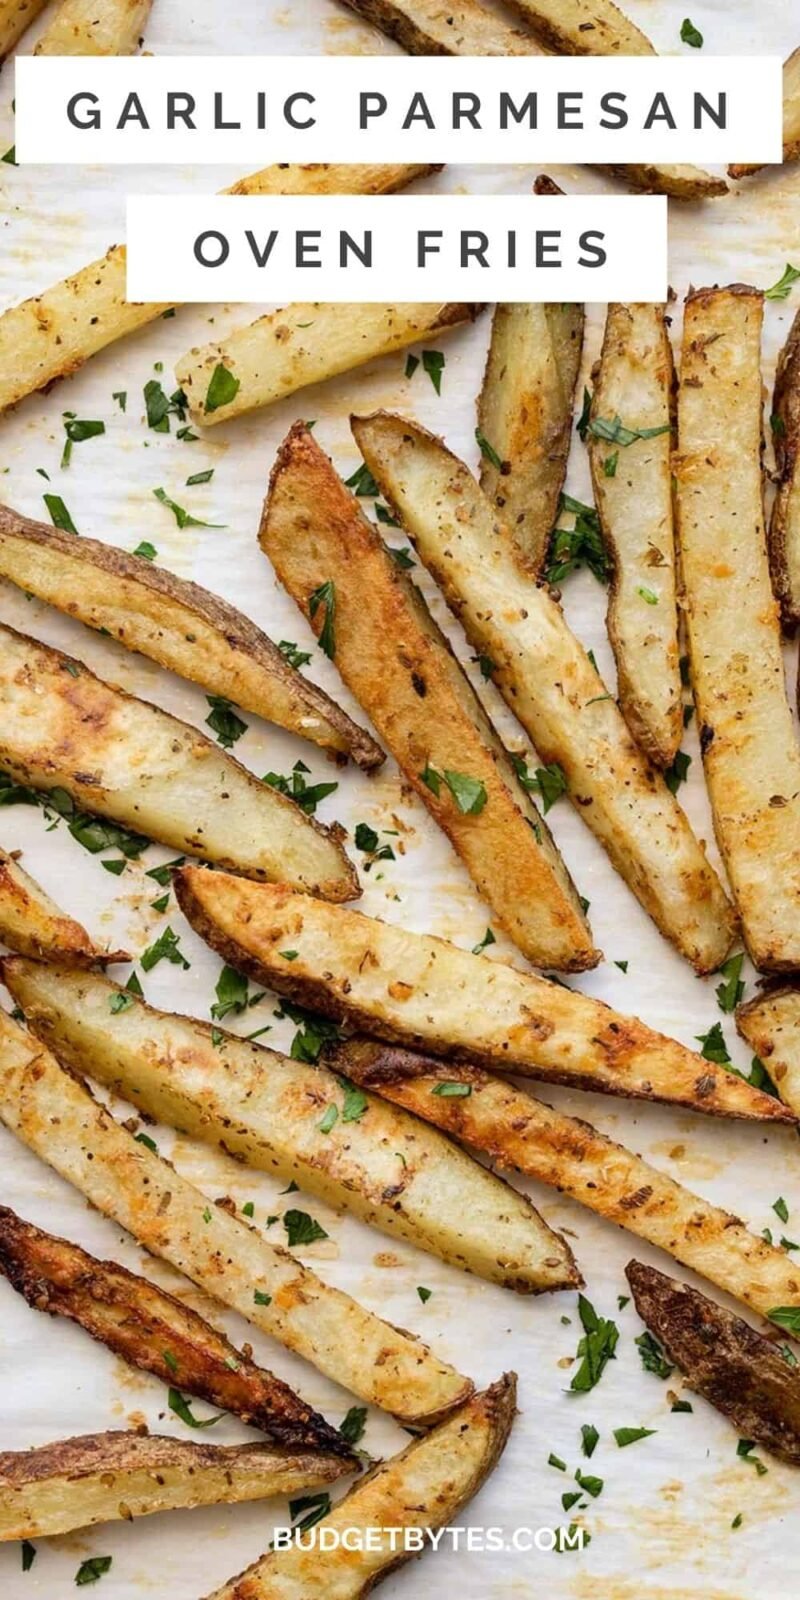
{"points": [[181, 626], [414, 989], [550, 684], [57, 1118], [106, 1477], [520, 1133], [784, 529], [15, 17], [119, 757], [398, 664], [583, 27], [750, 751], [86, 28], [32, 923], [425, 1486], [771, 1025], [633, 494], [525, 414], [326, 177], [156, 1333], [791, 119]]}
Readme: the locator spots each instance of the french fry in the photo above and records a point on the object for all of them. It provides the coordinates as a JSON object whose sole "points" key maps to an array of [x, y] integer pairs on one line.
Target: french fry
{"points": [[784, 529], [414, 989], [302, 344], [84, 28], [525, 413], [32, 924], [326, 177], [57, 1118], [632, 478], [583, 27], [15, 17], [791, 119], [181, 626], [750, 751], [375, 625], [423, 1487], [548, 681], [521, 1133], [106, 1477], [294, 1119], [771, 1025], [119, 757], [156, 1333]]}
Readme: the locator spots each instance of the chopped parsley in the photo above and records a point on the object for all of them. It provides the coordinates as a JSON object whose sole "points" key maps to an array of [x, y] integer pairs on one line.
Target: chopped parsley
{"points": [[433, 363], [714, 1047], [451, 1090], [331, 1116], [549, 782], [146, 550], [648, 595], [313, 1033], [144, 1138], [160, 406], [59, 515], [626, 1436], [691, 35], [616, 432], [200, 477], [610, 465], [262, 1299], [233, 994], [28, 1555], [362, 483], [781, 1209], [366, 839], [222, 389], [653, 1358], [180, 1405], [306, 795], [353, 1424], [596, 1348], [580, 545], [787, 1317], [488, 451], [401, 557], [744, 1450], [77, 430], [183, 518], [424, 1293], [92, 1570], [730, 991], [224, 721], [589, 1438], [295, 657], [783, 288], [488, 938], [677, 774], [165, 948], [469, 793], [301, 1228], [412, 362]]}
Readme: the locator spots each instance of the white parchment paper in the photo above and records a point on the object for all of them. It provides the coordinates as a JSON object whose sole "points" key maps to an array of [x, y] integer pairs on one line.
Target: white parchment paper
{"points": [[663, 1524]]}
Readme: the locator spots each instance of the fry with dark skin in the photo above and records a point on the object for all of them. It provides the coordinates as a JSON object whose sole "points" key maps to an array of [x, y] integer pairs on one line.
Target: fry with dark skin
{"points": [[722, 1358], [155, 1332], [33, 925]]}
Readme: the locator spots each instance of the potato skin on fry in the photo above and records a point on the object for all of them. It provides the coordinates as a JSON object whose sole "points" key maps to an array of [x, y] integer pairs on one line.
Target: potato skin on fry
{"points": [[107, 1477], [784, 527], [183, 627], [722, 1358], [414, 989], [139, 1322], [424, 1486]]}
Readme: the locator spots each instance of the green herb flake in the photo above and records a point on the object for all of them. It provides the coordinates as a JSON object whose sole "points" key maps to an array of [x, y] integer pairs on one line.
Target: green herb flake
{"points": [[691, 35], [616, 432], [610, 465], [647, 595], [362, 483], [165, 948], [596, 1348], [353, 1424], [744, 1451], [222, 389], [469, 793], [331, 1116], [433, 363], [677, 774], [424, 1293], [224, 721], [781, 1209], [580, 545], [589, 1484], [28, 1555], [181, 515], [488, 938], [714, 1047], [262, 1299], [146, 550], [307, 796], [555, 1461], [589, 1439], [783, 288], [401, 557], [325, 595], [449, 1090], [488, 451], [180, 1405], [301, 1228], [144, 1138], [92, 1570], [626, 1436], [653, 1358], [200, 477], [121, 397], [681, 1405], [412, 362], [59, 515], [296, 658], [355, 1102]]}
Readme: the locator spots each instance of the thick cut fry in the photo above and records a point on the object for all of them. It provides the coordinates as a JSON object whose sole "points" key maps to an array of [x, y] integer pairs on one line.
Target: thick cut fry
{"points": [[771, 1025], [435, 28], [302, 344], [296, 1120], [784, 529], [723, 1359], [52, 1113], [53, 334], [375, 624], [156, 1333], [632, 478], [571, 1156], [425, 1486], [414, 989], [583, 27], [750, 752], [181, 626], [15, 17], [105, 1477], [525, 414], [548, 681], [119, 757], [791, 118], [86, 28], [32, 923]]}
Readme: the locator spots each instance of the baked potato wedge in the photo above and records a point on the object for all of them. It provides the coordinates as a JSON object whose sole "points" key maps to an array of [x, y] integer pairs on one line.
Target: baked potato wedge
{"points": [[330, 177], [305, 343], [784, 529], [525, 414], [181, 626], [549, 682], [414, 989], [632, 480], [57, 1117], [569, 1155], [770, 1023], [296, 1120], [15, 17], [84, 28], [374, 623], [791, 118], [33, 925], [583, 27], [110, 1477], [119, 757], [156, 1333], [750, 751], [423, 1487], [723, 1359]]}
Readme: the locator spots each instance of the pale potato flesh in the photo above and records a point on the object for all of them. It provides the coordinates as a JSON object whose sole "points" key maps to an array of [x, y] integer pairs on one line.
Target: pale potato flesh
{"points": [[750, 750], [32, 924], [15, 17], [583, 27], [89, 28], [329, 177], [522, 1134], [771, 1025], [123, 758], [548, 681], [398, 664], [424, 1486], [181, 626], [56, 1117], [415, 989], [107, 1477], [525, 415], [306, 343], [269, 1111], [633, 495], [791, 118]]}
